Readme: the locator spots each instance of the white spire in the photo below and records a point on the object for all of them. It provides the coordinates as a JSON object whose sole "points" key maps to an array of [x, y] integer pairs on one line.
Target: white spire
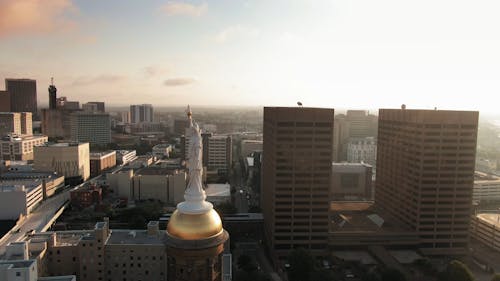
{"points": [[194, 195]]}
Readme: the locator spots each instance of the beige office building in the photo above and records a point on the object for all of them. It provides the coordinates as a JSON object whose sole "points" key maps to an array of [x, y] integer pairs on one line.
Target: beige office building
{"points": [[20, 148], [10, 123], [296, 178], [68, 159], [425, 174]]}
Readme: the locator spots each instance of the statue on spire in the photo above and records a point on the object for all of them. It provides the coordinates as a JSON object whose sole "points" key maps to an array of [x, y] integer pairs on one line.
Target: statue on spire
{"points": [[194, 195]]}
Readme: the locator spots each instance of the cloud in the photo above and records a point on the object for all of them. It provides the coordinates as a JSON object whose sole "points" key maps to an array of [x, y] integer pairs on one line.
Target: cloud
{"points": [[177, 8], [236, 31], [174, 82], [154, 70], [35, 16], [100, 79]]}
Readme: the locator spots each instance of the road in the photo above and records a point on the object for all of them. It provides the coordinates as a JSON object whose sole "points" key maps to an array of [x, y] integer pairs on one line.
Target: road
{"points": [[37, 219]]}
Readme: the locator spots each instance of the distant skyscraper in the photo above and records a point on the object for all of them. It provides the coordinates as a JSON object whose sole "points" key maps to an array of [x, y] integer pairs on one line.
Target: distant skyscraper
{"points": [[354, 124], [425, 174], [52, 95], [4, 101], [91, 127], [296, 178], [22, 95], [100, 105], [141, 113]]}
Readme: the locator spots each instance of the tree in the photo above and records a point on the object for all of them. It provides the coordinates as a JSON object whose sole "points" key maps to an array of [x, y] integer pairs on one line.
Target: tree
{"points": [[457, 271], [301, 265], [392, 274], [496, 277]]}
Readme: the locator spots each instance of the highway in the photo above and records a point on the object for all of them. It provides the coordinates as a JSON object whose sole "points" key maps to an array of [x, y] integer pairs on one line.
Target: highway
{"points": [[37, 219]]}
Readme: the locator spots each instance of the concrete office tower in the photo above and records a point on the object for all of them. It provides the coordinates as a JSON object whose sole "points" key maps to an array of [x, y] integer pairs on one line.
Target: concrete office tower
{"points": [[91, 127], [141, 113], [52, 95], [425, 174], [354, 124], [296, 178], [22, 95], [10, 123], [362, 150], [4, 101], [68, 159], [26, 123], [20, 147], [217, 153], [90, 107], [100, 105]]}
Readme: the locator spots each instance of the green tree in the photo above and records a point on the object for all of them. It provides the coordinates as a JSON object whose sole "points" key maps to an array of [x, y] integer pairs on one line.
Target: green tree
{"points": [[457, 271], [496, 277], [301, 265], [392, 274]]}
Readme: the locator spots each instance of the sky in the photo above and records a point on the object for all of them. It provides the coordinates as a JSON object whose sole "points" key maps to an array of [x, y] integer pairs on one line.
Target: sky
{"points": [[324, 53]]}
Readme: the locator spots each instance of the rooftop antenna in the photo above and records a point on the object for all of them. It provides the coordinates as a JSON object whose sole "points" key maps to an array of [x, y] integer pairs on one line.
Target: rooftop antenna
{"points": [[299, 104], [52, 81]]}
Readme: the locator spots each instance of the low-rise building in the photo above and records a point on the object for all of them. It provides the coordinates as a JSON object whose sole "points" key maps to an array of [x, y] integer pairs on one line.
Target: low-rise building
{"points": [[50, 182], [486, 187], [68, 159], [218, 193], [101, 161], [20, 148], [18, 199], [86, 196], [166, 185], [141, 162], [486, 229], [125, 156], [162, 150], [351, 181]]}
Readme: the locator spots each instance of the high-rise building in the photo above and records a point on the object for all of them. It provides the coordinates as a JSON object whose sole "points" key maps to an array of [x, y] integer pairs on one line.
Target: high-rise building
{"points": [[217, 153], [91, 107], [56, 123], [22, 95], [180, 126], [141, 113], [296, 178], [93, 127], [362, 150], [52, 95], [425, 174], [26, 123], [100, 105], [4, 101], [10, 123], [354, 124]]}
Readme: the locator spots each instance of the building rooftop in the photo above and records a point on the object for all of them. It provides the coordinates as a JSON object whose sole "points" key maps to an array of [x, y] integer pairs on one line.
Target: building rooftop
{"points": [[62, 144], [134, 237], [157, 171], [28, 175], [483, 177], [94, 155], [10, 186], [22, 138], [493, 219], [58, 278], [218, 189], [18, 263]]}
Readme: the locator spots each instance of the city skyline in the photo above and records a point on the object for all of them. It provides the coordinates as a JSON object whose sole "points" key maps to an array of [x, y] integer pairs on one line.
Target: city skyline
{"points": [[327, 54]]}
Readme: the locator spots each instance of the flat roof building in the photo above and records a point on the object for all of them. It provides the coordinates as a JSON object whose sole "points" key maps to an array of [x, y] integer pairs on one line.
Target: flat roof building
{"points": [[20, 148], [22, 95], [486, 229], [296, 178], [425, 174], [68, 159], [351, 181], [92, 127]]}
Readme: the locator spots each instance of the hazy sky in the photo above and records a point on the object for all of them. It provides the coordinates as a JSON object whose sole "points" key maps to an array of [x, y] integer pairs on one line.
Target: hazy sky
{"points": [[357, 54]]}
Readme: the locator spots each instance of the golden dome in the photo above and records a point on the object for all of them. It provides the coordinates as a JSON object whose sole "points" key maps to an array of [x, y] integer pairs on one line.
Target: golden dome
{"points": [[194, 227]]}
